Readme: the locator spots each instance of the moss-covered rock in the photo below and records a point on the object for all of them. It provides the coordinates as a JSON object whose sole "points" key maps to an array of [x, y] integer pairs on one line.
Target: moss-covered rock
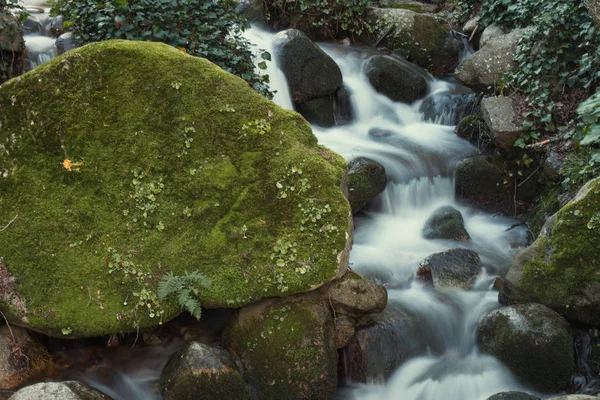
{"points": [[366, 180], [356, 296], [202, 372], [446, 223], [417, 37], [533, 341], [121, 161], [561, 269], [476, 131], [286, 348]]}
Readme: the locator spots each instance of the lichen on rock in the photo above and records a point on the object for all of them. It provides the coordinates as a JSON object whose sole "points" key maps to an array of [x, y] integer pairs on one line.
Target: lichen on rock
{"points": [[125, 160]]}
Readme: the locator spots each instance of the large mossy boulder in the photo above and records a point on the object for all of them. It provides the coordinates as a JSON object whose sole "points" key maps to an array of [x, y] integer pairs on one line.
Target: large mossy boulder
{"points": [[533, 341], [400, 81], [419, 38], [286, 348], [561, 269], [202, 372], [121, 161]]}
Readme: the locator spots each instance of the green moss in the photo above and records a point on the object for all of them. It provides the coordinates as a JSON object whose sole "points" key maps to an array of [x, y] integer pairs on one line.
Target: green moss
{"points": [[179, 165], [567, 260], [412, 7]]}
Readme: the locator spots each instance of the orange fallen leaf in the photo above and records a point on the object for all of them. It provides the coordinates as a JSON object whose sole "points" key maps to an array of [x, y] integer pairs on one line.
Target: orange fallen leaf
{"points": [[69, 165]]}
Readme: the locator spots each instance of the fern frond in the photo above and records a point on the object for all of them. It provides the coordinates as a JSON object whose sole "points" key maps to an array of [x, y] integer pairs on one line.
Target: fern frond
{"points": [[197, 278], [169, 284]]}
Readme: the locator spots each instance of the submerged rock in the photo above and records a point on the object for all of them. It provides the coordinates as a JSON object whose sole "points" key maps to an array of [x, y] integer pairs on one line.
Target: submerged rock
{"points": [[202, 372], [455, 268], [68, 390], [561, 268], [533, 341], [447, 223], [398, 80], [21, 357], [482, 70], [286, 348], [366, 180], [160, 162], [513, 396]]}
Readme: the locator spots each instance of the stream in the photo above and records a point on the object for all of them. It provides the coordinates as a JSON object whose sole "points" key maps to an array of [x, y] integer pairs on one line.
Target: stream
{"points": [[419, 156]]}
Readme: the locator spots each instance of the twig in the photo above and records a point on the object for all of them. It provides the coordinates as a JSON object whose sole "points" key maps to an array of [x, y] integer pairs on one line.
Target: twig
{"points": [[530, 175], [333, 310], [513, 226], [383, 36], [137, 333], [11, 221], [538, 144], [515, 198], [9, 329], [474, 32]]}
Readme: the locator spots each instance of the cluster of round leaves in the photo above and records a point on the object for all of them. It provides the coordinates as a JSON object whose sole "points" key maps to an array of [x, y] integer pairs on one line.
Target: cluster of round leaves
{"points": [[332, 16], [205, 28], [559, 52]]}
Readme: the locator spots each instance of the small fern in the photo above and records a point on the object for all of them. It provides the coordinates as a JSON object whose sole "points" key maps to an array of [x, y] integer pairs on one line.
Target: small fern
{"points": [[186, 288]]}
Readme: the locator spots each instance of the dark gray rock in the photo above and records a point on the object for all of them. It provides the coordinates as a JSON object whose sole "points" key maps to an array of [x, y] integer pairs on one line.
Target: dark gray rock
{"points": [[366, 180], [480, 181], [64, 43], [447, 223], [455, 268], [476, 131], [318, 111], [513, 396], [252, 10], [202, 372], [68, 390], [310, 72], [533, 341], [398, 80]]}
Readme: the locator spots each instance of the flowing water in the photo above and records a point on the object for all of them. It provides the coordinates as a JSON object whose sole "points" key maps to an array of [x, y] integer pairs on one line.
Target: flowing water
{"points": [[416, 145]]}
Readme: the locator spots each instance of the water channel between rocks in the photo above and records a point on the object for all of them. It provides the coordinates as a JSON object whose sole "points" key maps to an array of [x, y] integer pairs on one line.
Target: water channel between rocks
{"points": [[419, 158]]}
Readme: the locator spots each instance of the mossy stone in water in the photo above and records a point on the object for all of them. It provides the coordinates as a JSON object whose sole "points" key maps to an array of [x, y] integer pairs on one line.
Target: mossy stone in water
{"points": [[121, 161], [447, 223]]}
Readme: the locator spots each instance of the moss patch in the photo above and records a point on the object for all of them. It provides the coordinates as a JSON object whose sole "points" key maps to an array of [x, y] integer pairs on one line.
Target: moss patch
{"points": [[564, 263], [133, 154]]}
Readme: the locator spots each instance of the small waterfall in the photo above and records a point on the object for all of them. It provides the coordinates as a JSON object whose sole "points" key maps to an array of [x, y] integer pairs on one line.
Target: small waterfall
{"points": [[38, 31]]}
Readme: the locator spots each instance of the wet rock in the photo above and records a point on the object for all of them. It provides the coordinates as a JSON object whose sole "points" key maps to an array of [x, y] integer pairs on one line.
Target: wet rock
{"points": [[356, 295], [446, 61], [446, 223], [342, 106], [397, 80], [533, 341], [455, 268], [384, 343], [344, 330], [366, 180], [479, 181], [12, 48], [574, 397], [318, 111], [476, 131], [68, 390], [417, 37], [310, 72], [55, 26], [286, 348], [450, 108], [230, 193], [21, 357], [565, 254], [64, 43], [202, 372], [499, 115], [513, 396], [32, 26], [252, 10], [482, 70]]}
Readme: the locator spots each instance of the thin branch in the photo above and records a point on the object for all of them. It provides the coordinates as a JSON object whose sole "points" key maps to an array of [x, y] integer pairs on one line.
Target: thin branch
{"points": [[11, 221], [538, 144], [474, 32], [530, 175], [9, 329]]}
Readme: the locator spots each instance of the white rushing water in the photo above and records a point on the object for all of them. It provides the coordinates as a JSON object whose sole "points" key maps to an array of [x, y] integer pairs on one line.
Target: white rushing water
{"points": [[419, 157]]}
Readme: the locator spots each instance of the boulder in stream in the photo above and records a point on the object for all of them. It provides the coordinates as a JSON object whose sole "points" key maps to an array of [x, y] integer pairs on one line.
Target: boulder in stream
{"points": [[202, 372], [475, 130], [513, 396], [446, 223], [398, 80], [366, 180], [533, 341], [482, 181], [67, 390], [455, 268], [159, 163], [561, 268]]}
